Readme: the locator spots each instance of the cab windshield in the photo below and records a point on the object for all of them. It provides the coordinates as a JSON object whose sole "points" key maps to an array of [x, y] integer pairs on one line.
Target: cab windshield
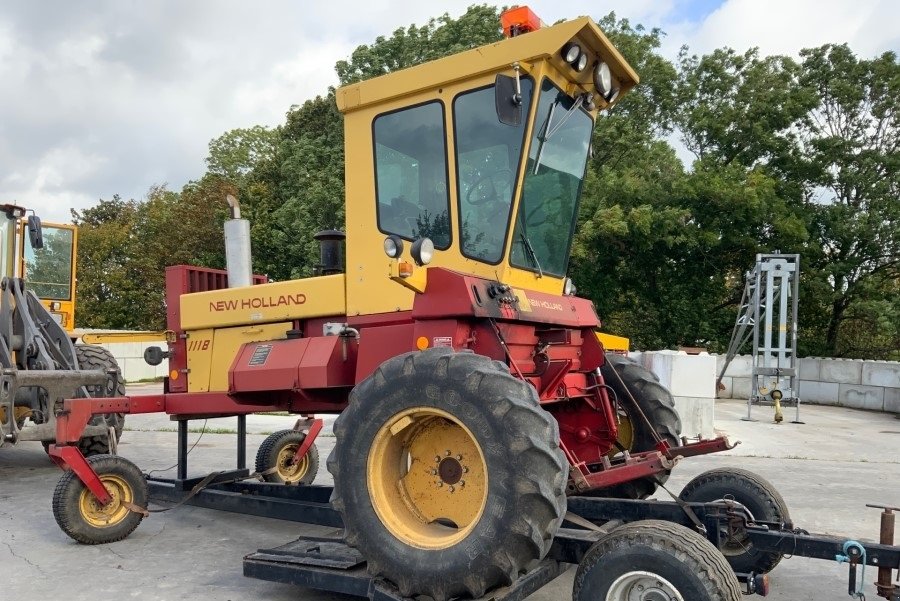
{"points": [[554, 174], [48, 270]]}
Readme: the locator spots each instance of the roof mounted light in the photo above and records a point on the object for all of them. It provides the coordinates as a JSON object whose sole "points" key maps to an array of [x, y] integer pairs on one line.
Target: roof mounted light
{"points": [[603, 79], [571, 52], [521, 19], [582, 62]]}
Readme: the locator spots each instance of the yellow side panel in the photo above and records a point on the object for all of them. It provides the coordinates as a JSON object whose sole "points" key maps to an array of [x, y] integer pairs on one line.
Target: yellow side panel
{"points": [[199, 359], [613, 343], [227, 342], [266, 303]]}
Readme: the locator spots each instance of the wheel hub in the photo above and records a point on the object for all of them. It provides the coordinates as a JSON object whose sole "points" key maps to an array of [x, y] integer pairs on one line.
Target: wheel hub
{"points": [[285, 466], [642, 586], [427, 478], [101, 516]]}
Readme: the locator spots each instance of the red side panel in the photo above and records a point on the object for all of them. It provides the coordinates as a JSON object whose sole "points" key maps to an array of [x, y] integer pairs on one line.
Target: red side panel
{"points": [[308, 363], [380, 343]]}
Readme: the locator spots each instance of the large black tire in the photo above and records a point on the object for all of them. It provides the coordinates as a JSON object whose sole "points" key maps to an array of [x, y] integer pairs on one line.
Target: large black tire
{"points": [[662, 558], [523, 473], [97, 357], [753, 492], [82, 518], [657, 404], [277, 451]]}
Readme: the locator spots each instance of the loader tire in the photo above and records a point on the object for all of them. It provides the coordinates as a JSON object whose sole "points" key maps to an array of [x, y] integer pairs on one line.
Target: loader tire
{"points": [[758, 496], [83, 518], [653, 559], [657, 404], [273, 459], [97, 357], [448, 474]]}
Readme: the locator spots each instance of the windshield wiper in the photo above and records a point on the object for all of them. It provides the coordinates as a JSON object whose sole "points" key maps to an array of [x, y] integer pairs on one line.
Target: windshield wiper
{"points": [[549, 133], [531, 254]]}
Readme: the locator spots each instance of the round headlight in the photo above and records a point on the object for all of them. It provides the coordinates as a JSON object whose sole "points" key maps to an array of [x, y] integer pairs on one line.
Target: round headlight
{"points": [[422, 251], [571, 52], [582, 62], [393, 246], [569, 288], [611, 97], [602, 78]]}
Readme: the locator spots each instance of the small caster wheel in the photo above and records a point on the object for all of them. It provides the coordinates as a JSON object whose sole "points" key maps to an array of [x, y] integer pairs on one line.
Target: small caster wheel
{"points": [[83, 518], [278, 450]]}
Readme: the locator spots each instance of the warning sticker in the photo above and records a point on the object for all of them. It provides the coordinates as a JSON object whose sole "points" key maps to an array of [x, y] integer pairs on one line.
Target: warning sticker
{"points": [[446, 341], [260, 354]]}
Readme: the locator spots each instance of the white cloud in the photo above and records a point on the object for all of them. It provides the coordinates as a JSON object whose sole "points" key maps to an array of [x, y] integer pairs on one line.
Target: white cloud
{"points": [[102, 98]]}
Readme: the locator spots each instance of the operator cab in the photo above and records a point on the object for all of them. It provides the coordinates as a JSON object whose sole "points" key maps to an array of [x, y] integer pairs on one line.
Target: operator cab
{"points": [[475, 162]]}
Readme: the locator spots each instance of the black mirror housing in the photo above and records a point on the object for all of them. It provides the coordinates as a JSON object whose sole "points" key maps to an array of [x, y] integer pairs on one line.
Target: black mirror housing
{"points": [[35, 233], [508, 100]]}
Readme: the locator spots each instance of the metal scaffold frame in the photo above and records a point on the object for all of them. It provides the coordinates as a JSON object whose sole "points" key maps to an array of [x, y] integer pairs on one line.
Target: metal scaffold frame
{"points": [[768, 314]]}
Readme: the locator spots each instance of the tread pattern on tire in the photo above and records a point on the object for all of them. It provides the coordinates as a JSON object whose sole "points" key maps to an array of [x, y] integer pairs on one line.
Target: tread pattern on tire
{"points": [[530, 510], [698, 555], [659, 407], [777, 509], [96, 357], [68, 490], [267, 453]]}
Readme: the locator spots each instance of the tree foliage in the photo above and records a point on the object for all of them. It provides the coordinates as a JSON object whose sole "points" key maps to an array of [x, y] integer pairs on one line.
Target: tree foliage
{"points": [[790, 155]]}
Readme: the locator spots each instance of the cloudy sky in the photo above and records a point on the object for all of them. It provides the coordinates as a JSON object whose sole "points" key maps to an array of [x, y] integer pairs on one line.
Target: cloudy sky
{"points": [[102, 98]]}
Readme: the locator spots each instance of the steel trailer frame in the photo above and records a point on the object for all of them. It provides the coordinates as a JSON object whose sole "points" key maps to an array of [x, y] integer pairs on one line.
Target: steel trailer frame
{"points": [[326, 563]]}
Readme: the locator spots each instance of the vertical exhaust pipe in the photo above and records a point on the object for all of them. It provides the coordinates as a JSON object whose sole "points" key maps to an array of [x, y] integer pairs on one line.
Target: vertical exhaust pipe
{"points": [[238, 256]]}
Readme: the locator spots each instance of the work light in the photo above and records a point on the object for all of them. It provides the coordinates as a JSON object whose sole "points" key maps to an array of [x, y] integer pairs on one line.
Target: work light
{"points": [[393, 246], [422, 251]]}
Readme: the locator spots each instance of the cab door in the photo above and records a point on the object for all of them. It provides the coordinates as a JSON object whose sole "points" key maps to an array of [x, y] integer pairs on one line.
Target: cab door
{"points": [[50, 271]]}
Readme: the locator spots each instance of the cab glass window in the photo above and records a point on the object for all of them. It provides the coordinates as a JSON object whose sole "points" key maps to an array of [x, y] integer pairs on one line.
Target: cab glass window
{"points": [[48, 270], [557, 158], [487, 162], [411, 174]]}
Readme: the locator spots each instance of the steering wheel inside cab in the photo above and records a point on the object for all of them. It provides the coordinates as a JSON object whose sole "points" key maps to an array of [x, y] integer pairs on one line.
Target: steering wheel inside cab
{"points": [[487, 187]]}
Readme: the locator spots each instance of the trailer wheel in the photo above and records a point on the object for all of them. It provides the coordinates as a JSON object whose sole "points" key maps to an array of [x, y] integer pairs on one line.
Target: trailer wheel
{"points": [[635, 435], [448, 474], [83, 518], [654, 560], [758, 496], [277, 451], [97, 357]]}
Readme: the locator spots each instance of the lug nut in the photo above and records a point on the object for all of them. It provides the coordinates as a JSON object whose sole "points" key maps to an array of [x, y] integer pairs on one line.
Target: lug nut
{"points": [[465, 470], [448, 452], [459, 457], [462, 482], [451, 489], [440, 483], [434, 472], [437, 459]]}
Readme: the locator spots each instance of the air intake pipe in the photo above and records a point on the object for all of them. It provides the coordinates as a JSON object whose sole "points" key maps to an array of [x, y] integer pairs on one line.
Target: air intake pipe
{"points": [[238, 256], [330, 260]]}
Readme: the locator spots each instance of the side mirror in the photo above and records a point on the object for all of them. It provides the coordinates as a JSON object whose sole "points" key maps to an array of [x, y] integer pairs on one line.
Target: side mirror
{"points": [[508, 100], [35, 234]]}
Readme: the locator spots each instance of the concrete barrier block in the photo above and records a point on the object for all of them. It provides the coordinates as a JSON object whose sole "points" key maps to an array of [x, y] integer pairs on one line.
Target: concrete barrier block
{"points": [[660, 363], [892, 400], [136, 369], [842, 371], [861, 397], [693, 376], [809, 368], [881, 373], [741, 366], [740, 388], [823, 393], [697, 415]]}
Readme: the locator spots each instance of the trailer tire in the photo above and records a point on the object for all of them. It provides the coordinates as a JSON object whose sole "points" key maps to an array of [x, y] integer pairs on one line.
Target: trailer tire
{"points": [[277, 450], [489, 492], [97, 357], [755, 493], [82, 518], [657, 404], [677, 562]]}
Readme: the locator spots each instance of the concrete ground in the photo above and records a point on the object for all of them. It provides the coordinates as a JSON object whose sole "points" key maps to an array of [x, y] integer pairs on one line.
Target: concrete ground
{"points": [[827, 470]]}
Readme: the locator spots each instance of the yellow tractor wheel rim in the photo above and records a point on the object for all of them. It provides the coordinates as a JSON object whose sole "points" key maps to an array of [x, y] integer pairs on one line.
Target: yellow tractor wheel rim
{"points": [[104, 516], [625, 437], [283, 467], [427, 478]]}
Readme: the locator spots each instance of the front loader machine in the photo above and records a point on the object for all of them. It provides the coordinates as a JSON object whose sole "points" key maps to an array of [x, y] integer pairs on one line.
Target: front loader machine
{"points": [[474, 394], [40, 366]]}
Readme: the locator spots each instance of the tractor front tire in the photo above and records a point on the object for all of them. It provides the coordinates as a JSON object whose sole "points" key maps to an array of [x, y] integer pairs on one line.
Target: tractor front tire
{"points": [[83, 518], [274, 459], [653, 559], [758, 496], [656, 402], [448, 474], [97, 357]]}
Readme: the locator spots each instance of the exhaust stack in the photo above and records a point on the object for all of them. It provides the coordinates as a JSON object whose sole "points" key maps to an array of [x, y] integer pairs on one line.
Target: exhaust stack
{"points": [[238, 256]]}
